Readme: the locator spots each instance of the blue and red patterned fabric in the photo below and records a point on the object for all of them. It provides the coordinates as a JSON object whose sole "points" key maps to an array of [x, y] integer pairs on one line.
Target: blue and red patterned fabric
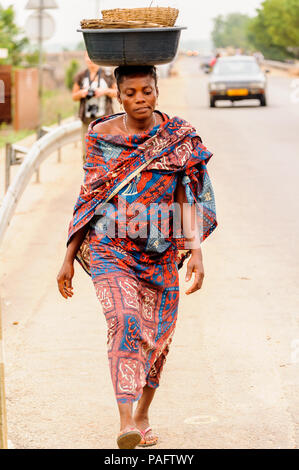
{"points": [[136, 279], [140, 304], [157, 157]]}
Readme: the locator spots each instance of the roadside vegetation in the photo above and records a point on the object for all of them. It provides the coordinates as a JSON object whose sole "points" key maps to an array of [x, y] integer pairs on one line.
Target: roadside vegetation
{"points": [[54, 102], [22, 54], [274, 30]]}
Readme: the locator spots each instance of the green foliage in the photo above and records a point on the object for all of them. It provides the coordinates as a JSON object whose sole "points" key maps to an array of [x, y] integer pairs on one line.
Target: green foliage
{"points": [[282, 21], [10, 135], [54, 102], [275, 29], [11, 37], [231, 31], [218, 31], [31, 58], [70, 73], [261, 40]]}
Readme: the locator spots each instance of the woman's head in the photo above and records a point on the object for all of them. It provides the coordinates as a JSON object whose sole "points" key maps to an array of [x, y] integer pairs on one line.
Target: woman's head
{"points": [[137, 90]]}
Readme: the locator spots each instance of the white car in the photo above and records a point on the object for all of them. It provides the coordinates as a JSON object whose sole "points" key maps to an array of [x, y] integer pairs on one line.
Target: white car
{"points": [[237, 78]]}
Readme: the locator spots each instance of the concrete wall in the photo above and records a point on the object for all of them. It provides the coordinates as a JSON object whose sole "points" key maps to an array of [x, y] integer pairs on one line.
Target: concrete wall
{"points": [[56, 65], [26, 99]]}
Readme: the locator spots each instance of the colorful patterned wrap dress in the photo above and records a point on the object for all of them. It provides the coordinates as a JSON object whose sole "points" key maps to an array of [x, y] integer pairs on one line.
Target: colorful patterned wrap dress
{"points": [[136, 277]]}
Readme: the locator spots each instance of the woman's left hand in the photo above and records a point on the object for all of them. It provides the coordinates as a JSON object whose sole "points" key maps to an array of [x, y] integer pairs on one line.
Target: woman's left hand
{"points": [[195, 266], [105, 92], [100, 92]]}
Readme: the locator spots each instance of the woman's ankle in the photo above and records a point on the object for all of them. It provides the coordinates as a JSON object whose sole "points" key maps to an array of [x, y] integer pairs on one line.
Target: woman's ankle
{"points": [[141, 415], [126, 424]]}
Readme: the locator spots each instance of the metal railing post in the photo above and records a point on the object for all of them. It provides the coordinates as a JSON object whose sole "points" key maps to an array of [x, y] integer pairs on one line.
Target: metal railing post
{"points": [[39, 135], [7, 164], [59, 150], [40, 150], [37, 179], [3, 419], [75, 118]]}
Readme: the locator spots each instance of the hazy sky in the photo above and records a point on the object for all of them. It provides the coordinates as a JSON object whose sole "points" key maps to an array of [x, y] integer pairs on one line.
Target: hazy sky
{"points": [[195, 14]]}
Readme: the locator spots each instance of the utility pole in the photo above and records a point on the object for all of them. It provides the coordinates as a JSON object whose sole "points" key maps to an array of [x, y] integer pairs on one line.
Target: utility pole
{"points": [[40, 65], [40, 26], [97, 8]]}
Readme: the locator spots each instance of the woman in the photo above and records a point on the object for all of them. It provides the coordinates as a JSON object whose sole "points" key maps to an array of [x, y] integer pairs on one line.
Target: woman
{"points": [[141, 166]]}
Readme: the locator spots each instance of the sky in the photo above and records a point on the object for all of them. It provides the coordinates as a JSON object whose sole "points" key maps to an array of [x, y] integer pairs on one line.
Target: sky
{"points": [[197, 15]]}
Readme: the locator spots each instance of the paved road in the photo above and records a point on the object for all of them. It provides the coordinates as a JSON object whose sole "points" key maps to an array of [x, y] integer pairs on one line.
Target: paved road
{"points": [[231, 379]]}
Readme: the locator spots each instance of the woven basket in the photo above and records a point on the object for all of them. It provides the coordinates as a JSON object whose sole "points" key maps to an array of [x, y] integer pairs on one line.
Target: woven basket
{"points": [[164, 16], [103, 24]]}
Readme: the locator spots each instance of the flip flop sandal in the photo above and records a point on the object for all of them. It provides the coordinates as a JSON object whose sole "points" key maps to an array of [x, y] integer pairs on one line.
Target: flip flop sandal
{"points": [[129, 439], [149, 442]]}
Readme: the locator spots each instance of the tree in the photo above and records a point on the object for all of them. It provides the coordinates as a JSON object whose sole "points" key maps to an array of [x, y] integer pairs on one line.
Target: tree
{"points": [[31, 58], [282, 22], [11, 37], [218, 31], [70, 73], [261, 40], [231, 31]]}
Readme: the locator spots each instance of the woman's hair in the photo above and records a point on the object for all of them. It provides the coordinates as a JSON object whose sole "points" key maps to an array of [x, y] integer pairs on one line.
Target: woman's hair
{"points": [[130, 70]]}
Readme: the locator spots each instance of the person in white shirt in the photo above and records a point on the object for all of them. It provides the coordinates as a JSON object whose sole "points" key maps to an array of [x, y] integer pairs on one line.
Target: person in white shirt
{"points": [[94, 88]]}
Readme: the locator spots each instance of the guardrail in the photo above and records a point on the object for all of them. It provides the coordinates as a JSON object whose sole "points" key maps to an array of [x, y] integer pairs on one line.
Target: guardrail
{"points": [[280, 65], [40, 150], [13, 152], [12, 157], [51, 141]]}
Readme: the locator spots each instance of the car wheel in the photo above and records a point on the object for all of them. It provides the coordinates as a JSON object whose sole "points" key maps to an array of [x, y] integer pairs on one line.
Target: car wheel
{"points": [[263, 100], [212, 103]]}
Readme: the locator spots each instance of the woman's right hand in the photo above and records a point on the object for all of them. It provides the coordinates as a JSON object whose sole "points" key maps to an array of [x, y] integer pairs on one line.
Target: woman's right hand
{"points": [[83, 93], [64, 279]]}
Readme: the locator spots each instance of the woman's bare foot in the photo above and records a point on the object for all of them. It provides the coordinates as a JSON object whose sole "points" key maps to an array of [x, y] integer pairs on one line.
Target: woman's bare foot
{"points": [[129, 438], [142, 423], [128, 428]]}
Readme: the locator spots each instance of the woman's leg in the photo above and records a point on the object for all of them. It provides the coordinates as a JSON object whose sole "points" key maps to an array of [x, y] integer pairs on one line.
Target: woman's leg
{"points": [[126, 416], [141, 415], [119, 297], [159, 311]]}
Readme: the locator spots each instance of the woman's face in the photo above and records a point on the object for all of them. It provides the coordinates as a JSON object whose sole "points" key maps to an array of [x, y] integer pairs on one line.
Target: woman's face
{"points": [[138, 95]]}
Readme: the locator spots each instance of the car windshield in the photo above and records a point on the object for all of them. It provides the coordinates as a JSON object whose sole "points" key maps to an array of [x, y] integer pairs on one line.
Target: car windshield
{"points": [[241, 67]]}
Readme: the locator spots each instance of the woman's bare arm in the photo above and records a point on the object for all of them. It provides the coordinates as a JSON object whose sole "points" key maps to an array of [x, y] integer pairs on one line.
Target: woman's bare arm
{"points": [[66, 273], [78, 93], [190, 231], [75, 243]]}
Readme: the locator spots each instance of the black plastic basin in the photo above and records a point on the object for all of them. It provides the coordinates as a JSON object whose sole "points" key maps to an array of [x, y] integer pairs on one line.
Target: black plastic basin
{"points": [[142, 46]]}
